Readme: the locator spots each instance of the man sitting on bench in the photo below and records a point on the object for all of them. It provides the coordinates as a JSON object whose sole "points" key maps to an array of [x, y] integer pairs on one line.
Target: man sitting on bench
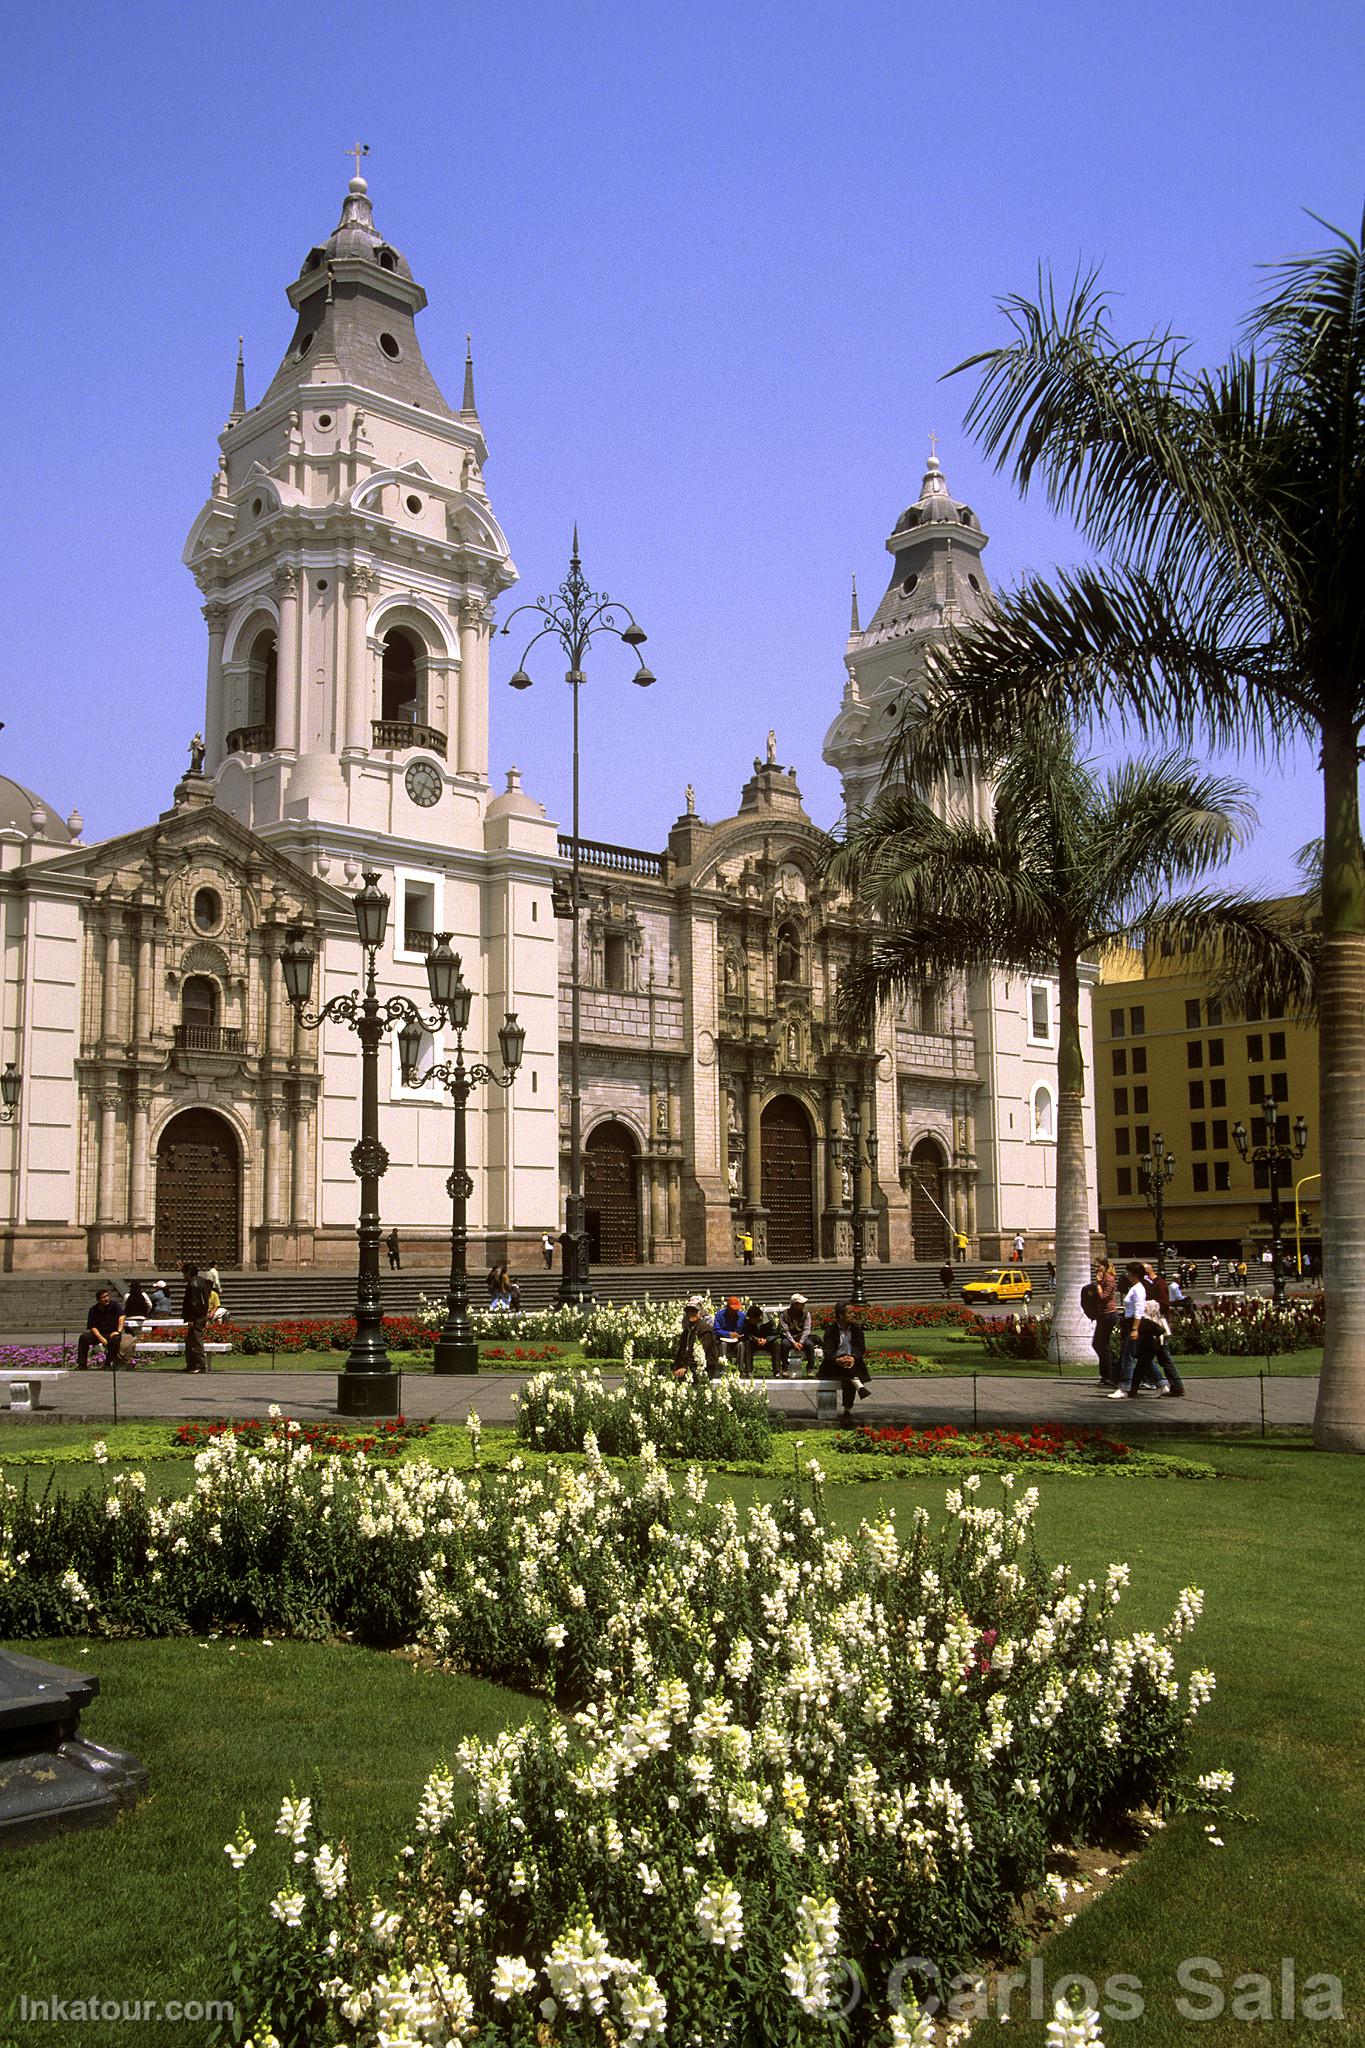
{"points": [[795, 1339], [729, 1329], [844, 1348], [103, 1327], [760, 1341]]}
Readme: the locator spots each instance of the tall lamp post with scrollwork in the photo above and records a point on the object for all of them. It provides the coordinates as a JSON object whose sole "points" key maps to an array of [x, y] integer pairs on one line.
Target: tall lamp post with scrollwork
{"points": [[1157, 1171], [575, 618], [456, 1349], [368, 1385], [854, 1152], [1275, 1155]]}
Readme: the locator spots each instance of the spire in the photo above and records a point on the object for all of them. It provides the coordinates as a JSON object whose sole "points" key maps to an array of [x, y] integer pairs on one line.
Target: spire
{"points": [[853, 626], [935, 484], [238, 389], [467, 405]]}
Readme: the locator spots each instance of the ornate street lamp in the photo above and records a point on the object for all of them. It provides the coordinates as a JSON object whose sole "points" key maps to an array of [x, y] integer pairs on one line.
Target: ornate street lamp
{"points": [[575, 618], [369, 1385], [456, 1350], [1157, 1171], [11, 1081], [1273, 1155], [855, 1154]]}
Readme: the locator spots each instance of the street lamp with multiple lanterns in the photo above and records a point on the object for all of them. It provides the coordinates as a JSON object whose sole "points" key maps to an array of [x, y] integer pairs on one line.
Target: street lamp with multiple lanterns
{"points": [[575, 618], [368, 1385], [1275, 1154], [852, 1152], [456, 1349], [1157, 1168]]}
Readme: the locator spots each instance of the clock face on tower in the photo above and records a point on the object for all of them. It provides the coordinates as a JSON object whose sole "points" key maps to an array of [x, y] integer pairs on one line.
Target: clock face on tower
{"points": [[423, 783]]}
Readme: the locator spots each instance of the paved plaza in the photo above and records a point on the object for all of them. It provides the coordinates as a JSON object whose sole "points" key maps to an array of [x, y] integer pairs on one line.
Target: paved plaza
{"points": [[994, 1401]]}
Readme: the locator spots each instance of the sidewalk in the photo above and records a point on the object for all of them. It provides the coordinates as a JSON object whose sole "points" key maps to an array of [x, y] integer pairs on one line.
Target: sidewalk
{"points": [[173, 1396]]}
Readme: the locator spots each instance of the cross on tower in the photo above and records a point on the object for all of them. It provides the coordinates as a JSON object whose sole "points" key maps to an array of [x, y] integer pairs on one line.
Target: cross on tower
{"points": [[358, 150], [933, 445]]}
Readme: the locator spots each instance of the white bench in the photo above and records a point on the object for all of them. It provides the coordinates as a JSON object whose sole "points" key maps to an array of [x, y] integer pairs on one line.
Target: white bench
{"points": [[25, 1389], [164, 1346]]}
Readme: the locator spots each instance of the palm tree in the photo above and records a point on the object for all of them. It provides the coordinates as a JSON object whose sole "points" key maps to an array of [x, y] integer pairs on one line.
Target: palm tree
{"points": [[1067, 865], [1229, 505]]}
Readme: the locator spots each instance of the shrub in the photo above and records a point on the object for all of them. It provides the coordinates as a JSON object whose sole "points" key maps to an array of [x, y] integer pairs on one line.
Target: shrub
{"points": [[573, 1411]]}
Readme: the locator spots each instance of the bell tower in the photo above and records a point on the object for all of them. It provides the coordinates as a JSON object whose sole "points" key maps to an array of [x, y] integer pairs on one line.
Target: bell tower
{"points": [[937, 582], [349, 558]]}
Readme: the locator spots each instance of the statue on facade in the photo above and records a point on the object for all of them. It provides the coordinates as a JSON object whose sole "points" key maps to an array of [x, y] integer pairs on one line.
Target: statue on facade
{"points": [[197, 752], [772, 746], [661, 1118], [690, 799]]}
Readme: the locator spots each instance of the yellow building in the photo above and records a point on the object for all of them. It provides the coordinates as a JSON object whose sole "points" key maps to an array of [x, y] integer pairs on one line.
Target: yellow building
{"points": [[1176, 1070]]}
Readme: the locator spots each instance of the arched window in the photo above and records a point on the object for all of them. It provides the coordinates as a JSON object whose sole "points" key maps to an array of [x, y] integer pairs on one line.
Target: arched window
{"points": [[930, 1007], [401, 680], [260, 688], [1042, 1114], [199, 1003]]}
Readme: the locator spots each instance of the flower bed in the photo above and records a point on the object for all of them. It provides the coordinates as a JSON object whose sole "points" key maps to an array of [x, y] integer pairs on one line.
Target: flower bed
{"points": [[521, 1354], [905, 1362], [1247, 1326], [1044, 1443], [794, 1756], [574, 1411], [381, 1440], [35, 1357], [294, 1334], [904, 1315]]}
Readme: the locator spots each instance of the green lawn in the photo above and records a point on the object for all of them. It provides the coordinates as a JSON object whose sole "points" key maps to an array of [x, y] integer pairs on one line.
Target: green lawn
{"points": [[1275, 1543]]}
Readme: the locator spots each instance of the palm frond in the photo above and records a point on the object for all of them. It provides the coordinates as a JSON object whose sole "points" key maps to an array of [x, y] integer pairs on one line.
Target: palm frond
{"points": [[1260, 953]]}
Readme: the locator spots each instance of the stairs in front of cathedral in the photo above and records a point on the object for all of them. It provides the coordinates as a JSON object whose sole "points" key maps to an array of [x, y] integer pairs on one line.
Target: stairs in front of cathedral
{"points": [[256, 1297]]}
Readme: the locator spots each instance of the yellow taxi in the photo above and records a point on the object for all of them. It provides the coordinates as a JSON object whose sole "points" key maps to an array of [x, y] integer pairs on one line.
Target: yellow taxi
{"points": [[1006, 1283]]}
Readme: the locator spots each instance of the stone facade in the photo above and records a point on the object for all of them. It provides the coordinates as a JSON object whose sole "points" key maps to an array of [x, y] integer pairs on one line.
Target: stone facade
{"points": [[350, 563]]}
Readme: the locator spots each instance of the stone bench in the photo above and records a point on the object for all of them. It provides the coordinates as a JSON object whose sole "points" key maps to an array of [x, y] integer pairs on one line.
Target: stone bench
{"points": [[25, 1389]]}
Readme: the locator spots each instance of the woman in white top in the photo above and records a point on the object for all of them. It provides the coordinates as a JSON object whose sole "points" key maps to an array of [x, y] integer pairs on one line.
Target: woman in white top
{"points": [[1135, 1361]]}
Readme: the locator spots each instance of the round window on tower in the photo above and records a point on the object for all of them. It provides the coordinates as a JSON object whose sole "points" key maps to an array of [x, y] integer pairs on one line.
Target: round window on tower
{"points": [[975, 582], [322, 583], [257, 507], [390, 347], [324, 419], [414, 506], [304, 346], [208, 909], [909, 584]]}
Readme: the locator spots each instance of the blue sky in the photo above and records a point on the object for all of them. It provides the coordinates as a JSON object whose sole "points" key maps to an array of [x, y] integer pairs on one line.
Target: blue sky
{"points": [[715, 259]]}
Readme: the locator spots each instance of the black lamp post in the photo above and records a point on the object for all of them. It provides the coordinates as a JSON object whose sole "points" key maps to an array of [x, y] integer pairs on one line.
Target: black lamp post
{"points": [[1157, 1168], [369, 1385], [575, 618], [855, 1153], [1273, 1155], [11, 1081], [456, 1350]]}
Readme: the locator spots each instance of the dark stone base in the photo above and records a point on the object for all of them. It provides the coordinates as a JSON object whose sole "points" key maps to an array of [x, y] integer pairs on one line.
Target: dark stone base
{"points": [[456, 1357], [51, 1780], [367, 1393]]}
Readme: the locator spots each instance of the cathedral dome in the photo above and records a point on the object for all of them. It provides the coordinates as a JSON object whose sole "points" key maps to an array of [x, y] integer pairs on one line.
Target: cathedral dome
{"points": [[17, 808], [355, 234]]}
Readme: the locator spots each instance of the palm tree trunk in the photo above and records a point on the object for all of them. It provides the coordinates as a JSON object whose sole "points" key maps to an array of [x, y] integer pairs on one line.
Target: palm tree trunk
{"points": [[1339, 1420], [1071, 1329]]}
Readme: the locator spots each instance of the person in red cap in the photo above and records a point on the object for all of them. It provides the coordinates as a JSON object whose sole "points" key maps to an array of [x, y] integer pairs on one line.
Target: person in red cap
{"points": [[729, 1329]]}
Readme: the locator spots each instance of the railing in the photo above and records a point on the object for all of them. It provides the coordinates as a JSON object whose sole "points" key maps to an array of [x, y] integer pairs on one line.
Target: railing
{"points": [[415, 941], [207, 1038], [626, 860], [250, 739], [399, 733]]}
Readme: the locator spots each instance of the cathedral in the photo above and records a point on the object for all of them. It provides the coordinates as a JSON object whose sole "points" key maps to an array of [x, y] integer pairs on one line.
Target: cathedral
{"points": [[350, 565]]}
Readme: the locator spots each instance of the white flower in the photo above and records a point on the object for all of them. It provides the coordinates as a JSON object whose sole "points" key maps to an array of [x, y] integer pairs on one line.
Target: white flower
{"points": [[287, 1908], [1072, 2029], [329, 1870], [720, 1912], [99, 1451], [556, 1635], [512, 1978], [295, 1815], [238, 1851]]}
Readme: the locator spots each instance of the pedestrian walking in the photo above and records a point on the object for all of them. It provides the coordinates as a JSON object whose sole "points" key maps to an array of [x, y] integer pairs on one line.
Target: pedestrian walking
{"points": [[1101, 1300], [194, 1308], [1137, 1360], [1052, 1276], [1018, 1248], [945, 1280], [395, 1254], [547, 1250]]}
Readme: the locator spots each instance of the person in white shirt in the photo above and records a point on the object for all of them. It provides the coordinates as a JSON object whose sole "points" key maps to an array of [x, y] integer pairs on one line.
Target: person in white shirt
{"points": [[1137, 1360]]}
